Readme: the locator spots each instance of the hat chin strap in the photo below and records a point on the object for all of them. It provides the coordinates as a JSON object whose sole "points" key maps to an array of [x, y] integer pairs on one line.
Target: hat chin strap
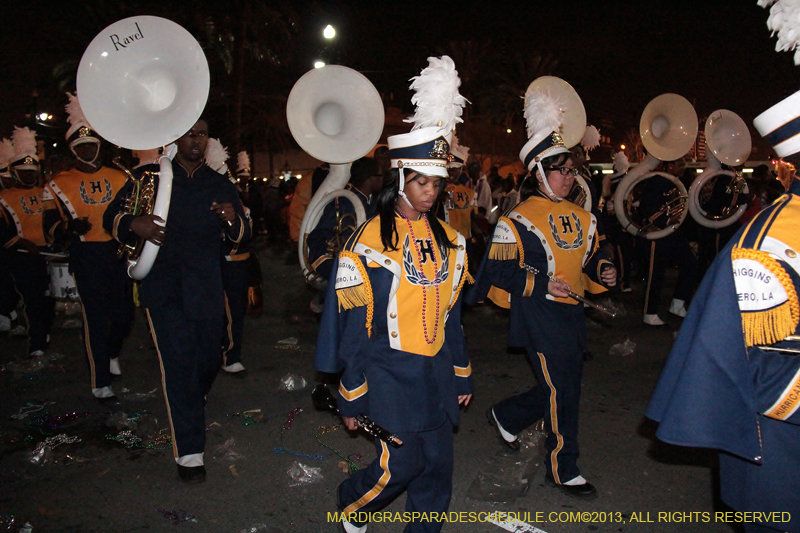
{"points": [[402, 183], [550, 192], [79, 158]]}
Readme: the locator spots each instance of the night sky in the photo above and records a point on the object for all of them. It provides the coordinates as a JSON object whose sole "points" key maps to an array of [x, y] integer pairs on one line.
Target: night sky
{"points": [[618, 55]]}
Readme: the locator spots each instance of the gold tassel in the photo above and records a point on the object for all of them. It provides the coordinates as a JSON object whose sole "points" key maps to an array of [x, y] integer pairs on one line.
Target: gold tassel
{"points": [[503, 252], [768, 327], [360, 295], [771, 325], [470, 279], [352, 297]]}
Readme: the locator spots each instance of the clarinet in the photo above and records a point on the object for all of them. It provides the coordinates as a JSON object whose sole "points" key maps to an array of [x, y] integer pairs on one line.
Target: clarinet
{"points": [[324, 401]]}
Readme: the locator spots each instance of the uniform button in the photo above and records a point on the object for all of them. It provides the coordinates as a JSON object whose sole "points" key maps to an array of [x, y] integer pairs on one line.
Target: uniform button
{"points": [[367, 251], [590, 237], [388, 262], [392, 315], [549, 257], [544, 241], [458, 267], [394, 334], [519, 217], [550, 274], [460, 246], [791, 253]]}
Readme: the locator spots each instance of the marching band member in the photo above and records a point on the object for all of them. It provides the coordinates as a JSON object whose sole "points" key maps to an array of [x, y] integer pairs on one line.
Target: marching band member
{"points": [[732, 380], [75, 201], [235, 269], [325, 240], [541, 250], [459, 200], [8, 293], [23, 235], [673, 248], [392, 318], [621, 240], [183, 292]]}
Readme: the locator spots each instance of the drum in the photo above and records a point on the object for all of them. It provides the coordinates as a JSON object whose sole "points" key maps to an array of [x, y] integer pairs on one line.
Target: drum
{"points": [[62, 284]]}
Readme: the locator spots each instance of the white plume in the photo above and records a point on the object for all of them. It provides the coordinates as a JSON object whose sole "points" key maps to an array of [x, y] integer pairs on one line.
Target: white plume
{"points": [[438, 101], [6, 152], [242, 161], [621, 163], [24, 142], [456, 146], [784, 19], [216, 154], [75, 114], [591, 138], [542, 111]]}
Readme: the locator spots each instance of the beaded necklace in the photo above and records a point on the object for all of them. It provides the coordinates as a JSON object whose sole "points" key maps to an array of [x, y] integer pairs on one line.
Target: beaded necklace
{"points": [[425, 282]]}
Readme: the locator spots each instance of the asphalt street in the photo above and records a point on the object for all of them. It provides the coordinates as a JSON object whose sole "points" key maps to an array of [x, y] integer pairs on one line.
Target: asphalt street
{"points": [[259, 434]]}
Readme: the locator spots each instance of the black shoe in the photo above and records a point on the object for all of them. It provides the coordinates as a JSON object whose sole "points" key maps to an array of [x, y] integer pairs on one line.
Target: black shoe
{"points": [[514, 444], [192, 474], [586, 491]]}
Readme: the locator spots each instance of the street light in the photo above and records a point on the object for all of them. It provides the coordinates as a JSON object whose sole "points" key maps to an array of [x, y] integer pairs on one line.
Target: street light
{"points": [[329, 32], [622, 146], [319, 64]]}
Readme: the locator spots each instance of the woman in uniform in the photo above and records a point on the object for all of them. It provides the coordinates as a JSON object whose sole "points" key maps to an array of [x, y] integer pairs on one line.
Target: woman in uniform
{"points": [[391, 325]]}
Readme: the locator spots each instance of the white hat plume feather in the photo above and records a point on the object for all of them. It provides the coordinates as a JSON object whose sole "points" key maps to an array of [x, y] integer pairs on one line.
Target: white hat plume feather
{"points": [[438, 101], [242, 161], [621, 163], [75, 114], [542, 111], [784, 19], [24, 143], [216, 154], [460, 148], [591, 138], [6, 152]]}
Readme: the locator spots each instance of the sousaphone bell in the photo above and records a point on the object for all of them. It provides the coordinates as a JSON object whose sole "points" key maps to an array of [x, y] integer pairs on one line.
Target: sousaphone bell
{"points": [[715, 197], [668, 129], [143, 82], [336, 115]]}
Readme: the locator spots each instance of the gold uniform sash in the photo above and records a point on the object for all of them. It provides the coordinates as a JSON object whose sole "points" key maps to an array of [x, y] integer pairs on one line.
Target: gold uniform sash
{"points": [[87, 196], [412, 309], [568, 236], [25, 207]]}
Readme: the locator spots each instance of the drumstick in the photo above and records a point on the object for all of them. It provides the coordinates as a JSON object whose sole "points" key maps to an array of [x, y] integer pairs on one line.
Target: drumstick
{"points": [[577, 297]]}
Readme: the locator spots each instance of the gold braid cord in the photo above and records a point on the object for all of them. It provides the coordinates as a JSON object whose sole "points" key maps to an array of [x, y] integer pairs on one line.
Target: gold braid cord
{"points": [[360, 295], [464, 277], [771, 325]]}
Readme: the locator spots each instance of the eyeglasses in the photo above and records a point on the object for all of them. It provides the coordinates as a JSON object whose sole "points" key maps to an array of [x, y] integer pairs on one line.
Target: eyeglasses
{"points": [[565, 170]]}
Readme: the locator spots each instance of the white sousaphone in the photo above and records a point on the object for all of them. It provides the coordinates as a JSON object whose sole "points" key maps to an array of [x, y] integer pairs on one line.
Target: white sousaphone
{"points": [[336, 115], [727, 141], [573, 124], [143, 82], [668, 129]]}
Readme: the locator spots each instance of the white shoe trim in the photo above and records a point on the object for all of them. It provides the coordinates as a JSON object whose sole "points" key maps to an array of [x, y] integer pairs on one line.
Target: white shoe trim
{"points": [[578, 480], [113, 367], [653, 320], [234, 368], [508, 437], [350, 528], [193, 459], [103, 392]]}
